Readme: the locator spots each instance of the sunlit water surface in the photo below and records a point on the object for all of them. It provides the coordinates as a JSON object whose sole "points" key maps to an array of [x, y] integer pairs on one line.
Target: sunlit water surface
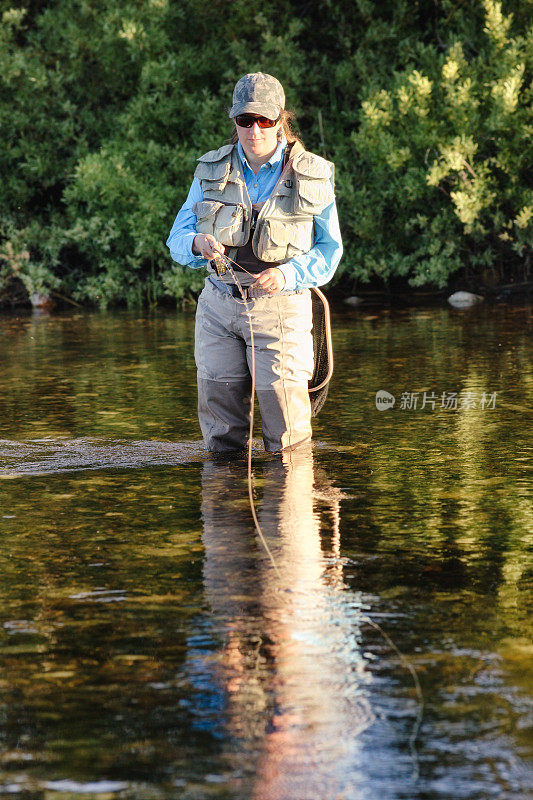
{"points": [[150, 649]]}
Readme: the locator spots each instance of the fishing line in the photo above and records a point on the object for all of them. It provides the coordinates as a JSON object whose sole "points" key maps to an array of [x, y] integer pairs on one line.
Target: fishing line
{"points": [[252, 399], [409, 667], [232, 273], [403, 659]]}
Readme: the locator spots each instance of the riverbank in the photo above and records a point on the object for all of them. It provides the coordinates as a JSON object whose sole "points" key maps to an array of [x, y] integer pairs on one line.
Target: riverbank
{"points": [[373, 294]]}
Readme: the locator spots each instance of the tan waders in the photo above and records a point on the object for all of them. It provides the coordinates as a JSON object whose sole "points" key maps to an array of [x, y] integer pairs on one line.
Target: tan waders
{"points": [[283, 366]]}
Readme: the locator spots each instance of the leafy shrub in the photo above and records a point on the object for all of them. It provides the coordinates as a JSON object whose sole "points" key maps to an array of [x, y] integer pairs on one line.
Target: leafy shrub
{"points": [[105, 106], [445, 155]]}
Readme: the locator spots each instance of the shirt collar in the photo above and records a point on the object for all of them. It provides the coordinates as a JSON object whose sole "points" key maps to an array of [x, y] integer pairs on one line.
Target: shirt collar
{"points": [[274, 159]]}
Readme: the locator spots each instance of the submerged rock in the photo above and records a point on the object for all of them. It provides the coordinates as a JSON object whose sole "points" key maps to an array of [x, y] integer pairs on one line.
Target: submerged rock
{"points": [[464, 299]]}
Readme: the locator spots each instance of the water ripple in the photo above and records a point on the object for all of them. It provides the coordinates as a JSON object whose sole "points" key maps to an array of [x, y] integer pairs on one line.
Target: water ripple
{"points": [[53, 455]]}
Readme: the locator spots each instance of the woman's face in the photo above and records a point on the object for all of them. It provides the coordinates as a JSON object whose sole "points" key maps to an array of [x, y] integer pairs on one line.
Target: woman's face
{"points": [[258, 142]]}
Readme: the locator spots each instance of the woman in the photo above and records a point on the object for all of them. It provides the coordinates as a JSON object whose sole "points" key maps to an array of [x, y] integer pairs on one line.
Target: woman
{"points": [[267, 204]]}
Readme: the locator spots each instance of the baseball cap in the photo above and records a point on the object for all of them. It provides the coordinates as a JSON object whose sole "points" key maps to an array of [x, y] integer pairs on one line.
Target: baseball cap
{"points": [[258, 93]]}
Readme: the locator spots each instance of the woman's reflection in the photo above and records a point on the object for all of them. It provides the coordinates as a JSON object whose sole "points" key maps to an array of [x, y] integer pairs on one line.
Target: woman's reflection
{"points": [[290, 664]]}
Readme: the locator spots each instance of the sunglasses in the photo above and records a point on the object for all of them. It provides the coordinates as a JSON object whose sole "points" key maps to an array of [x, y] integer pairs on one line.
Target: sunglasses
{"points": [[247, 120]]}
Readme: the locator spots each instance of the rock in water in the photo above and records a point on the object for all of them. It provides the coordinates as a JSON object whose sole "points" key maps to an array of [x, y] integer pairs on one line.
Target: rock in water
{"points": [[42, 301], [464, 299], [353, 301]]}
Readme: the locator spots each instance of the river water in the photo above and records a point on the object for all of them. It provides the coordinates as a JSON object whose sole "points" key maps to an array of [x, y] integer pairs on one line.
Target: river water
{"points": [[150, 649]]}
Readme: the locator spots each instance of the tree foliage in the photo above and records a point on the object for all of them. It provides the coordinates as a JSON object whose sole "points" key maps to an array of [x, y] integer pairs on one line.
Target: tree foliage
{"points": [[105, 105]]}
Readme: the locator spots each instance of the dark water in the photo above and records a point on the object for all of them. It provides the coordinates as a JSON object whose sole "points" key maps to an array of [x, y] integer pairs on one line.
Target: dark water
{"points": [[149, 649]]}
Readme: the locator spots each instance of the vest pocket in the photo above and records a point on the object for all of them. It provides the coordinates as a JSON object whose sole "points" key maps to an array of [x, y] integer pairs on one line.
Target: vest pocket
{"points": [[313, 185], [279, 241], [312, 196], [216, 173], [206, 211], [224, 221], [229, 225]]}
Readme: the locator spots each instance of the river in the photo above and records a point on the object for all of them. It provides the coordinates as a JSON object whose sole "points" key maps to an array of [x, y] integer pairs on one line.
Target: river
{"points": [[148, 646]]}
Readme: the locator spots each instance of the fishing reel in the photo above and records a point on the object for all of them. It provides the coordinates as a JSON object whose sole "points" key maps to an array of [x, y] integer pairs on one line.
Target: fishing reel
{"points": [[220, 265]]}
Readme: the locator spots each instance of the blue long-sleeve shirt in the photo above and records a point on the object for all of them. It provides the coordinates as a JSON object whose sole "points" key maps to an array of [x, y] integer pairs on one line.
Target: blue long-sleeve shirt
{"points": [[313, 268]]}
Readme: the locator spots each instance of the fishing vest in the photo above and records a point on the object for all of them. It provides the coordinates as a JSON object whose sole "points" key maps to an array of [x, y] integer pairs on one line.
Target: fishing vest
{"points": [[283, 226]]}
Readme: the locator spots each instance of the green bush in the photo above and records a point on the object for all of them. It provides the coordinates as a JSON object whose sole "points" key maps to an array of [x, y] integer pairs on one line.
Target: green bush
{"points": [[445, 152], [105, 106]]}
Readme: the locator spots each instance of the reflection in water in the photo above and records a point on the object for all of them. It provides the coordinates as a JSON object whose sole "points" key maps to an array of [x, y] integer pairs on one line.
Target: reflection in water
{"points": [[132, 653], [290, 664]]}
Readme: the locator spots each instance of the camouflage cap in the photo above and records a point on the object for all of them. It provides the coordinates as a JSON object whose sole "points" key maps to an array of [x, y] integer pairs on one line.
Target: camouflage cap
{"points": [[258, 93]]}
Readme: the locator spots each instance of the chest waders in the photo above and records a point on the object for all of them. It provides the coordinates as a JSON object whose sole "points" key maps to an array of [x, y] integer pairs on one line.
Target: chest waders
{"points": [[317, 387], [323, 362]]}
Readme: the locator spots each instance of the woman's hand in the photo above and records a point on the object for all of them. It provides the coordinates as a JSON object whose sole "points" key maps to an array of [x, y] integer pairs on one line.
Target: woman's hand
{"points": [[206, 246], [272, 279]]}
